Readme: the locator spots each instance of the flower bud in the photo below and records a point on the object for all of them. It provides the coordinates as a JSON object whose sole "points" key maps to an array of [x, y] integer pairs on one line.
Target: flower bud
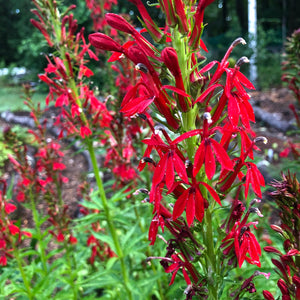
{"points": [[103, 42], [119, 23], [169, 57], [268, 296]]}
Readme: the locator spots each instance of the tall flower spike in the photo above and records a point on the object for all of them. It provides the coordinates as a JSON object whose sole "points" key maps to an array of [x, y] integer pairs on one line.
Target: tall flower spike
{"points": [[103, 42]]}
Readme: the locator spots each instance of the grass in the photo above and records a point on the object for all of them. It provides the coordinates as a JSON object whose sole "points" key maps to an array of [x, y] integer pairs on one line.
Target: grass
{"points": [[11, 97]]}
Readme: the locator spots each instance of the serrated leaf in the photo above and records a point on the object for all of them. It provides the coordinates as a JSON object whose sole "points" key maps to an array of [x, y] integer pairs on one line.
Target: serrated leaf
{"points": [[117, 196], [54, 252], [110, 263], [89, 204], [106, 239]]}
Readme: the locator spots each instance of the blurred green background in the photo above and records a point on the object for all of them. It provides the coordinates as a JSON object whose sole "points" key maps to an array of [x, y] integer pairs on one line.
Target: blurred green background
{"points": [[22, 45]]}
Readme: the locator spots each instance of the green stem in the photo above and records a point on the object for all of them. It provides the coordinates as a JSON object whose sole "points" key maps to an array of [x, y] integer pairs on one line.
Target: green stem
{"points": [[109, 220], [159, 286], [24, 277], [71, 265], [211, 266], [39, 234]]}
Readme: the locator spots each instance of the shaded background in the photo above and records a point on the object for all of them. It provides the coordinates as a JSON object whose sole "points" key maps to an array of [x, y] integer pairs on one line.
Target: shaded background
{"points": [[22, 45]]}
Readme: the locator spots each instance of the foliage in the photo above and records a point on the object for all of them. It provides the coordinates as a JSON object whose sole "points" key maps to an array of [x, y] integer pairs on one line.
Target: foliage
{"points": [[291, 64], [269, 46]]}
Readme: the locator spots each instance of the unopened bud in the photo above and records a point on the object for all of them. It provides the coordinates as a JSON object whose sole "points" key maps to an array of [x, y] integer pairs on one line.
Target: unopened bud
{"points": [[277, 228]]}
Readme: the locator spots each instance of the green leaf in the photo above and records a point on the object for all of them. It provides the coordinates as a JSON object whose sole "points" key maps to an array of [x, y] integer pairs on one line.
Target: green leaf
{"points": [[106, 239], [117, 196], [110, 263]]}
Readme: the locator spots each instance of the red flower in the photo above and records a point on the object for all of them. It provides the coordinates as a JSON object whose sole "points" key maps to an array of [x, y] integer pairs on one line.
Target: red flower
{"points": [[175, 267], [72, 240], [254, 177], [85, 131], [60, 237], [9, 207], [238, 99], [58, 166], [207, 150], [13, 229], [3, 260], [193, 202], [243, 242]]}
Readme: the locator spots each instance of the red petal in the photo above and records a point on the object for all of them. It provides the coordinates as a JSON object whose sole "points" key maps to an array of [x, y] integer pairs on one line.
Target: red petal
{"points": [[169, 170], [208, 66], [233, 110], [176, 90], [180, 204], [186, 135], [186, 277], [210, 165], [207, 91], [190, 208], [222, 155], [199, 205], [160, 170], [199, 159], [180, 168], [212, 192], [245, 81]]}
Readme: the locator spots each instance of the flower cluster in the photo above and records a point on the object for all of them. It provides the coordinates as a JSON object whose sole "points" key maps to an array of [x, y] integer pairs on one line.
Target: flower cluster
{"points": [[203, 144], [10, 234], [287, 197], [41, 175]]}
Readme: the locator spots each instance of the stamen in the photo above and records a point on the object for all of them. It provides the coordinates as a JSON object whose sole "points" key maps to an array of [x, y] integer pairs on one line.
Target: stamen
{"points": [[141, 67], [207, 116], [261, 139], [187, 163], [256, 211], [242, 60], [142, 190], [237, 41], [148, 160], [142, 116]]}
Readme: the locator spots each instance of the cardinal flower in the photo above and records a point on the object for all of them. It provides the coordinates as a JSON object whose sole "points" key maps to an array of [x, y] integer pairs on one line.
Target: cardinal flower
{"points": [[175, 267], [193, 202], [242, 243]]}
